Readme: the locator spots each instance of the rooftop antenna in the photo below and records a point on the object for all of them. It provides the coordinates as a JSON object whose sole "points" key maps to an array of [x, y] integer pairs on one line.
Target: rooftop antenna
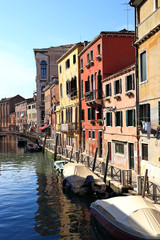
{"points": [[127, 10]]}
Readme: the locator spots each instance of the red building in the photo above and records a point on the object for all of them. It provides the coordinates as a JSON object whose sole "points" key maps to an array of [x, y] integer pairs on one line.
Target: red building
{"points": [[108, 53]]}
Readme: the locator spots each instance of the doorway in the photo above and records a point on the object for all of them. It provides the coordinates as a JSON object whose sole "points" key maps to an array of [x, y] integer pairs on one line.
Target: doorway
{"points": [[100, 143], [131, 155]]}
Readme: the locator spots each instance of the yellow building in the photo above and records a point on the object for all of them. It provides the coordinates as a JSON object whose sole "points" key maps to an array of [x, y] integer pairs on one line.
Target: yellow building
{"points": [[69, 118], [147, 43]]}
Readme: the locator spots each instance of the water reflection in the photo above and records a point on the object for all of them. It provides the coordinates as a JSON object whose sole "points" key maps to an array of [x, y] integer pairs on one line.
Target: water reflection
{"points": [[33, 205]]}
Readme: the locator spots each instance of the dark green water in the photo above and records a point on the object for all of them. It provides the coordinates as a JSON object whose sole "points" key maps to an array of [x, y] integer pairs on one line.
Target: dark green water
{"points": [[32, 203]]}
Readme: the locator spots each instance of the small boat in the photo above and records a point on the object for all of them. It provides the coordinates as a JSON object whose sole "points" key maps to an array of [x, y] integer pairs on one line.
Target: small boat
{"points": [[59, 165], [80, 179], [33, 147], [127, 217]]}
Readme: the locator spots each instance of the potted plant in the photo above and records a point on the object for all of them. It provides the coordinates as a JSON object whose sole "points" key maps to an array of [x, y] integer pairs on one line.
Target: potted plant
{"points": [[99, 121], [92, 122], [107, 99]]}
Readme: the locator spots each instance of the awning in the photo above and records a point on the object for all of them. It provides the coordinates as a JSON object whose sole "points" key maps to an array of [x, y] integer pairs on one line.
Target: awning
{"points": [[44, 127]]}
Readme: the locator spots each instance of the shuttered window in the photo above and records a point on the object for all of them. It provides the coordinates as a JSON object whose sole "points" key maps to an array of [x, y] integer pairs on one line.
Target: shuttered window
{"points": [[118, 119], [118, 86], [82, 114], [91, 113], [143, 113], [130, 118], [109, 119], [108, 90], [129, 82], [144, 151]]}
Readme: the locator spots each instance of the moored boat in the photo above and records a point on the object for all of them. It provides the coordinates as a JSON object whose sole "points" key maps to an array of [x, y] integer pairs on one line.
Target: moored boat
{"points": [[59, 165], [80, 179], [33, 147], [128, 217], [21, 142]]}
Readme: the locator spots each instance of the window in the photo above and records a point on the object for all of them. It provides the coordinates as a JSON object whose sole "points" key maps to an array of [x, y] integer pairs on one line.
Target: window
{"points": [[67, 64], [118, 119], [130, 118], [93, 134], [91, 53], [117, 87], [143, 113], [82, 114], [88, 58], [99, 113], [144, 151], [99, 49], [108, 90], [143, 67], [89, 134], [74, 58], [61, 93], [67, 87], [29, 107], [108, 119], [155, 4], [43, 68], [34, 106], [119, 148], [60, 69], [73, 87], [87, 85], [129, 82], [81, 63], [91, 113]]}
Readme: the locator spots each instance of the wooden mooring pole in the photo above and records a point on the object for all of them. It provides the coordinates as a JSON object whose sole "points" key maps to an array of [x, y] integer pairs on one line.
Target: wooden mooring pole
{"points": [[55, 154], [44, 143], [71, 153], [145, 181], [106, 168], [94, 161]]}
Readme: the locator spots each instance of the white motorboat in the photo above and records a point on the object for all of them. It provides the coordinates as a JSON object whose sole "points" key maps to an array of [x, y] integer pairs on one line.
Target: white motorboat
{"points": [[80, 179], [128, 217], [59, 165]]}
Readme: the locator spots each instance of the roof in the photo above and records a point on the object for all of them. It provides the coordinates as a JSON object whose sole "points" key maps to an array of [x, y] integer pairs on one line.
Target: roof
{"points": [[45, 50], [9, 98], [70, 50], [27, 100], [122, 32]]}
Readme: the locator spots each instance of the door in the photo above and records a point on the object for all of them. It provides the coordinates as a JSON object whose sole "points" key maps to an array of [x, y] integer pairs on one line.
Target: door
{"points": [[131, 155], [100, 143], [109, 151]]}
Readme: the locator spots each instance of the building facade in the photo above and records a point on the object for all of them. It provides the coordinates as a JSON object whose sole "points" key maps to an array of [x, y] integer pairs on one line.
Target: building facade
{"points": [[7, 107], [69, 119], [31, 117], [106, 54], [46, 70], [147, 15], [119, 114]]}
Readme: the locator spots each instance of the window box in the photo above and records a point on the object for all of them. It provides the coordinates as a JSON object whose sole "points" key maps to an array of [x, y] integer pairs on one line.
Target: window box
{"points": [[107, 99], [129, 94], [81, 70], [100, 122], [139, 127], [92, 122], [98, 58], [87, 93], [91, 63], [88, 65], [117, 97]]}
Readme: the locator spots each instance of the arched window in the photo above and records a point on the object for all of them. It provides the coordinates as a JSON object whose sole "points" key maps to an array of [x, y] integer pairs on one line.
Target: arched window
{"points": [[43, 68]]}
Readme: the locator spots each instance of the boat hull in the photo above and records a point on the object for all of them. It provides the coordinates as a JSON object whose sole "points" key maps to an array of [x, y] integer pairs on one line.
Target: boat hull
{"points": [[112, 229]]}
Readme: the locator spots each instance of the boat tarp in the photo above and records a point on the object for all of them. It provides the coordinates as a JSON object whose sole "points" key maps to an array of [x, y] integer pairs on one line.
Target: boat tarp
{"points": [[77, 173], [133, 213]]}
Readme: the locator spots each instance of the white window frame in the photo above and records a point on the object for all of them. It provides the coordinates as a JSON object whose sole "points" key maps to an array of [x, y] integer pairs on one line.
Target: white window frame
{"points": [[140, 67]]}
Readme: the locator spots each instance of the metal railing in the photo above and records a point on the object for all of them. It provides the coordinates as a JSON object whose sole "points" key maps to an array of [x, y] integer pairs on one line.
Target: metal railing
{"points": [[93, 95]]}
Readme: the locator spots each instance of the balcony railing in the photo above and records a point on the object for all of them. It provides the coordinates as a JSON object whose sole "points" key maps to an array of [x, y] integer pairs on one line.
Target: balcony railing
{"points": [[69, 127], [73, 93], [93, 97]]}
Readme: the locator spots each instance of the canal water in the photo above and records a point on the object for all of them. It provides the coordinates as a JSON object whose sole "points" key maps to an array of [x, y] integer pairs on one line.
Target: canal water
{"points": [[32, 202]]}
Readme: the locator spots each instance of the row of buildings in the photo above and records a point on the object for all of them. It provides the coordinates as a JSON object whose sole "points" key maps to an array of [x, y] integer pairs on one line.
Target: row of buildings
{"points": [[105, 94]]}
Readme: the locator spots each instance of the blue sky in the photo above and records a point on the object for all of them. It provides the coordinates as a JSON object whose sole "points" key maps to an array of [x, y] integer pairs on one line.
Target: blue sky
{"points": [[25, 25]]}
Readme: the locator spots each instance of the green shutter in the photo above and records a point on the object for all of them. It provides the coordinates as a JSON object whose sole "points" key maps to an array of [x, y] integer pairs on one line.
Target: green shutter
{"points": [[127, 118], [139, 115], [147, 112], [110, 119], [159, 111], [133, 117], [116, 119], [121, 118], [106, 120]]}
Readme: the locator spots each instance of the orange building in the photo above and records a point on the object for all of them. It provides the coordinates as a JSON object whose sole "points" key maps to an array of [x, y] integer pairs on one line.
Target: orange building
{"points": [[108, 53]]}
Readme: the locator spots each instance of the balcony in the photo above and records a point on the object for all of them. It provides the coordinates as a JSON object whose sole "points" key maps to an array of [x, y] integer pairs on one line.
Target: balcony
{"points": [[72, 93], [93, 98], [69, 127]]}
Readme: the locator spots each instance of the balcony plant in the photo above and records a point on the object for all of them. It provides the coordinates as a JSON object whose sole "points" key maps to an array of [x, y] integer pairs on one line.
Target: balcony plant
{"points": [[107, 98], [117, 97], [100, 121], [92, 122]]}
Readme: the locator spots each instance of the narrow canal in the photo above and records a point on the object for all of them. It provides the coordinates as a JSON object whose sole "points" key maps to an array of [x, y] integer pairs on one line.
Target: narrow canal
{"points": [[32, 203]]}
